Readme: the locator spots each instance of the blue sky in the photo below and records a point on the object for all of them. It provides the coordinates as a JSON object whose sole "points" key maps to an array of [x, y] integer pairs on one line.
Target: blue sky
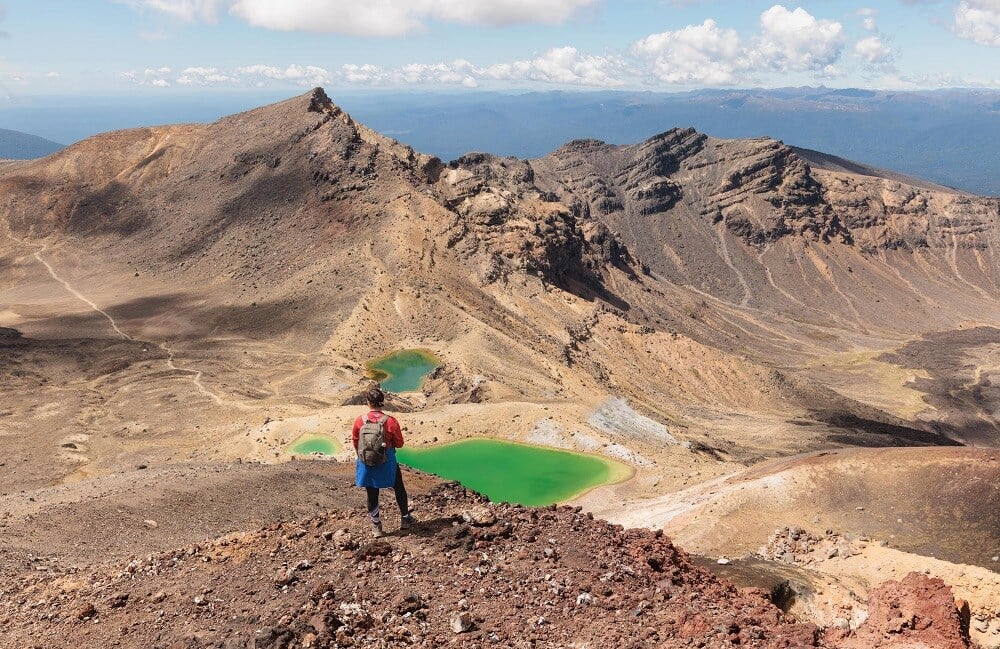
{"points": [[148, 47]]}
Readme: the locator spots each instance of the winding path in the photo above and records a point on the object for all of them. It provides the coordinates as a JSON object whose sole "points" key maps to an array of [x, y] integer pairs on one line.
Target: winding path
{"points": [[171, 354], [83, 298]]}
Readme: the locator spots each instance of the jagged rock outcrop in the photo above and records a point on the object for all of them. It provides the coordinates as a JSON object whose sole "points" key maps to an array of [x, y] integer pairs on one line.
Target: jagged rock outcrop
{"points": [[499, 212], [451, 384], [767, 192], [501, 215], [760, 189], [918, 611], [885, 214]]}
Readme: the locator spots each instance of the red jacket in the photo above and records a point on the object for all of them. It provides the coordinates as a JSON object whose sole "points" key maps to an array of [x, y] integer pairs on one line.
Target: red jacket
{"points": [[393, 434]]}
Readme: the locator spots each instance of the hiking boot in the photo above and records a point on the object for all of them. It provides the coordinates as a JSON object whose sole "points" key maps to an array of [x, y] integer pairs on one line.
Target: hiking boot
{"points": [[406, 521], [377, 531]]}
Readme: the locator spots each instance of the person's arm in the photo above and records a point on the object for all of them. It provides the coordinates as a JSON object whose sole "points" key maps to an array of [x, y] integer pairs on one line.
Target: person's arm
{"points": [[354, 432], [393, 433]]}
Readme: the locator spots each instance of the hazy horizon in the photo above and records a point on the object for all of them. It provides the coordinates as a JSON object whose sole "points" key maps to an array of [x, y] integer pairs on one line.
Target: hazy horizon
{"points": [[34, 114]]}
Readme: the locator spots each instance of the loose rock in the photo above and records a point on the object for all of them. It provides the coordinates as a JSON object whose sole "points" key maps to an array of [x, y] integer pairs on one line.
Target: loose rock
{"points": [[461, 622]]}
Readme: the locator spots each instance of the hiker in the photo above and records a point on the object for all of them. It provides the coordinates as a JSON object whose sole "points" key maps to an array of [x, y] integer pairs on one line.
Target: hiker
{"points": [[376, 436]]}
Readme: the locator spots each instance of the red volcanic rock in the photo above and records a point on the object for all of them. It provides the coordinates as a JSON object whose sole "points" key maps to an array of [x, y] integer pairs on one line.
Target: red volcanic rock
{"points": [[550, 577], [918, 611]]}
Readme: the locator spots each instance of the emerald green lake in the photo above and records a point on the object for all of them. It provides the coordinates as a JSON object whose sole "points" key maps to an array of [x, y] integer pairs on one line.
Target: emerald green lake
{"points": [[308, 444], [403, 371], [506, 472]]}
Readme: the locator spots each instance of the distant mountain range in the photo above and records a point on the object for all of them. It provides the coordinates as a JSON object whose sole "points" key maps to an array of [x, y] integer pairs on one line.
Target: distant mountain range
{"points": [[15, 145], [950, 137]]}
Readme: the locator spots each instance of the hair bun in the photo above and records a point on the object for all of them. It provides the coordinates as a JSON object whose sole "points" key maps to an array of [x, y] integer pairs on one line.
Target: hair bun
{"points": [[375, 396]]}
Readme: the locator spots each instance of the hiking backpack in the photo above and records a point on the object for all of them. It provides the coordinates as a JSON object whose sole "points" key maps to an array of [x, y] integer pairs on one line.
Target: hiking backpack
{"points": [[371, 441]]}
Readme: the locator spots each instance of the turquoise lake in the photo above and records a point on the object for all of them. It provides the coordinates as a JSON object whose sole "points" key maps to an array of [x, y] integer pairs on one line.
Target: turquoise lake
{"points": [[403, 371], [309, 444], [519, 473]]}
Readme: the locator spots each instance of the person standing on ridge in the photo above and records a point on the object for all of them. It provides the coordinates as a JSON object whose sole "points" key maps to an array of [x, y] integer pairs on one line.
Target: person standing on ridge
{"points": [[376, 436]]}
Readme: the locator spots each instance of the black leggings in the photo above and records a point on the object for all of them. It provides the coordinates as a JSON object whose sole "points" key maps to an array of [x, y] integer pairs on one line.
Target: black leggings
{"points": [[401, 500]]}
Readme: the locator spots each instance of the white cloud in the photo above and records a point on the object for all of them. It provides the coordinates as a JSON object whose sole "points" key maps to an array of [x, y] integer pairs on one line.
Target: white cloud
{"points": [[696, 54], [201, 76], [186, 10], [978, 21], [363, 74], [374, 18], [371, 18], [795, 40], [459, 72], [560, 65], [711, 55], [52, 75], [868, 16], [502, 12], [873, 50], [149, 77], [307, 75]]}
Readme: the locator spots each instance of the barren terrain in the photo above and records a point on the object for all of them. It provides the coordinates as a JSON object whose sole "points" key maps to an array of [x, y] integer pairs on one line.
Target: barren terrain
{"points": [[764, 334]]}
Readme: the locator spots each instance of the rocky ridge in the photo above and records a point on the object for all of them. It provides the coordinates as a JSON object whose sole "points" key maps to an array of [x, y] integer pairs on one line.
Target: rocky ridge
{"points": [[761, 189], [471, 573]]}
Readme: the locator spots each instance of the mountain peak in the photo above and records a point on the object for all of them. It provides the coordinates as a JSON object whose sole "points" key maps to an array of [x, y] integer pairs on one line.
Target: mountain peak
{"points": [[319, 101]]}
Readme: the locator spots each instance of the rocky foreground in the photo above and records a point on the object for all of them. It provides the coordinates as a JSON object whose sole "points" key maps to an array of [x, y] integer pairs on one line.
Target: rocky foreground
{"points": [[472, 573]]}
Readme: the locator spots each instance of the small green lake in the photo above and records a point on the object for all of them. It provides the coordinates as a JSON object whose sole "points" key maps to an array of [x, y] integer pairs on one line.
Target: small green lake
{"points": [[403, 371], [309, 444], [508, 472]]}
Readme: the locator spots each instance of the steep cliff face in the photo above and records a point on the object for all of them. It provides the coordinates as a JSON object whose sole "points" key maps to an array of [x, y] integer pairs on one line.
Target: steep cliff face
{"points": [[759, 189], [885, 214], [757, 223], [762, 190], [499, 213], [767, 192]]}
